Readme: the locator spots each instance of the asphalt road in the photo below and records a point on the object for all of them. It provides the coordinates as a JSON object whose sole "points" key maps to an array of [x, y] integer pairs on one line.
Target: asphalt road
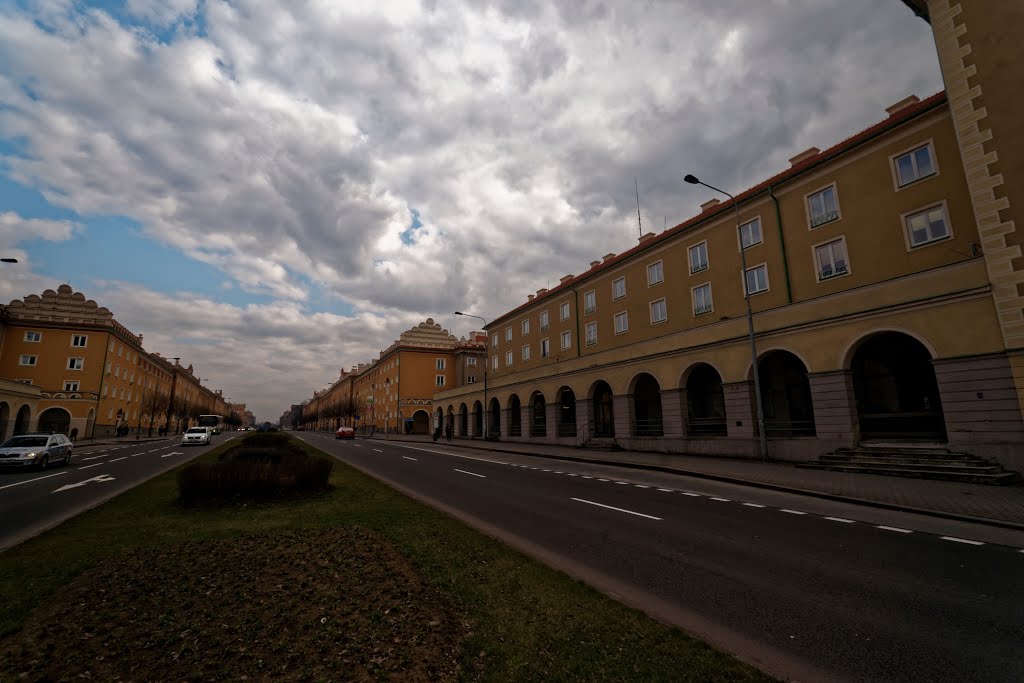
{"points": [[802, 588], [33, 501]]}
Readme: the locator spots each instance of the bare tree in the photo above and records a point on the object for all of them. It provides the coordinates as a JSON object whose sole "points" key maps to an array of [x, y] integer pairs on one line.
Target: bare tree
{"points": [[153, 405]]}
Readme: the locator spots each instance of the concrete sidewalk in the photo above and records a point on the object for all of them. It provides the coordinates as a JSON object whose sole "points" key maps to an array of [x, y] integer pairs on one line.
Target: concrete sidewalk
{"points": [[997, 505]]}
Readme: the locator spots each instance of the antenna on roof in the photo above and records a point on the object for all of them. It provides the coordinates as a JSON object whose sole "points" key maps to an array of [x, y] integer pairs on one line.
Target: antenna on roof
{"points": [[639, 225]]}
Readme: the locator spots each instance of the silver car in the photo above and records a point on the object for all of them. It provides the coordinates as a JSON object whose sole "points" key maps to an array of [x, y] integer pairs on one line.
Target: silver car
{"points": [[35, 450], [197, 436]]}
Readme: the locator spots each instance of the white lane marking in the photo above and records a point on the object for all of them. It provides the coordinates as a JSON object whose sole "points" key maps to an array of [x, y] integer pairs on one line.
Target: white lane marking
{"points": [[99, 478], [545, 470], [641, 486], [839, 519], [167, 455], [95, 464], [573, 475], [378, 450], [408, 458], [893, 528], [96, 456], [357, 445], [454, 455], [29, 481], [602, 480], [628, 512], [153, 451], [960, 540], [792, 512], [585, 476], [720, 500], [472, 474], [624, 483], [123, 457], [753, 505], [557, 472], [691, 495], [665, 490]]}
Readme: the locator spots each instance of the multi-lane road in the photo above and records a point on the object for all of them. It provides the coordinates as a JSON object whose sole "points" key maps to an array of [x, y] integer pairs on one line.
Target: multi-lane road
{"points": [[32, 501], [804, 588]]}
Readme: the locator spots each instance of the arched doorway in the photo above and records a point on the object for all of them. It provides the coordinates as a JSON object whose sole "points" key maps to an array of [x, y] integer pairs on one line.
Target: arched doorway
{"points": [[463, 420], [478, 419], [539, 427], [786, 395], [705, 402], [897, 395], [494, 419], [567, 413], [515, 416], [604, 413], [21, 420], [647, 407], [56, 420], [5, 417], [421, 422]]}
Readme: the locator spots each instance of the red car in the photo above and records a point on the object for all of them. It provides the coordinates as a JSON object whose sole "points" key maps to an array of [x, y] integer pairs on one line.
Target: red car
{"points": [[345, 433]]}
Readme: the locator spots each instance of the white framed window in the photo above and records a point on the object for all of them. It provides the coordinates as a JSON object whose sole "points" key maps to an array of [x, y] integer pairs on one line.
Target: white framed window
{"points": [[916, 164], [750, 233], [122, 393], [621, 322], [926, 226], [508, 334], [702, 302], [589, 302], [76, 363], [439, 363], [111, 345], [618, 288], [545, 348], [108, 367], [698, 257], [70, 385], [823, 206], [563, 311], [494, 363], [830, 259], [525, 327], [105, 387], [544, 321], [756, 279], [659, 311], [34, 337], [494, 340], [566, 340], [591, 333], [655, 273], [471, 379], [471, 361], [508, 358], [120, 350], [439, 380], [526, 352], [27, 360]]}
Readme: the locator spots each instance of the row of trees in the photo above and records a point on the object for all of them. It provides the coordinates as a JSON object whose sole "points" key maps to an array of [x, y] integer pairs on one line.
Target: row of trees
{"points": [[331, 416], [156, 408]]}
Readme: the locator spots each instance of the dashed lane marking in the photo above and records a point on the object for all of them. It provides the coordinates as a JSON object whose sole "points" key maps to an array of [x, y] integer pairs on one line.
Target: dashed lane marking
{"points": [[378, 450], [840, 519], [893, 528], [792, 512], [408, 458], [666, 490], [123, 457], [960, 540], [690, 494], [95, 464], [609, 507], [472, 474], [721, 500], [754, 505]]}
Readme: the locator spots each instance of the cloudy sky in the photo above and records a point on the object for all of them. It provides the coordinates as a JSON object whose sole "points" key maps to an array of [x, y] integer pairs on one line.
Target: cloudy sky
{"points": [[274, 191]]}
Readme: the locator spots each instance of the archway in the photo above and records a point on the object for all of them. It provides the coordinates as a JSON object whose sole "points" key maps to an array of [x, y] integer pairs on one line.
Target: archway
{"points": [[705, 402], [421, 422], [494, 419], [567, 413], [647, 407], [449, 422], [604, 412], [515, 416], [786, 395], [55, 420], [478, 419], [22, 420], [539, 427], [5, 417], [463, 420], [896, 391]]}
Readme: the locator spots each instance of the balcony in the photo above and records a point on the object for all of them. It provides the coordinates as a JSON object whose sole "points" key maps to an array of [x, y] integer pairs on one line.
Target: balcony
{"points": [[838, 269], [701, 310]]}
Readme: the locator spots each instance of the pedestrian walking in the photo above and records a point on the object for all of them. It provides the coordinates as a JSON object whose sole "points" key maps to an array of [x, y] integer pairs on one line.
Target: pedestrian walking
{"points": [[73, 434], [448, 432]]}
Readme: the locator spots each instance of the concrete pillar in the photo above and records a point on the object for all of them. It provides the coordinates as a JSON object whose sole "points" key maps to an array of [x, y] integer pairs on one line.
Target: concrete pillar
{"points": [[503, 421], [740, 411], [553, 410], [979, 400], [673, 413], [835, 408], [584, 419], [623, 409]]}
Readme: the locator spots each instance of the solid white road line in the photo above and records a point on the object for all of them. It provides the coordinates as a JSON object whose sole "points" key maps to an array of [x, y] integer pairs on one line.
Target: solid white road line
{"points": [[95, 464], [472, 474], [721, 500], [609, 507], [792, 512], [839, 519], [408, 458], [753, 505], [123, 457], [454, 455], [893, 528], [29, 481], [167, 455], [960, 540]]}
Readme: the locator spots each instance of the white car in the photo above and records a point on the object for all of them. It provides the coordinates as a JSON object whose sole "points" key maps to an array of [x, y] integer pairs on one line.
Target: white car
{"points": [[35, 450], [197, 436]]}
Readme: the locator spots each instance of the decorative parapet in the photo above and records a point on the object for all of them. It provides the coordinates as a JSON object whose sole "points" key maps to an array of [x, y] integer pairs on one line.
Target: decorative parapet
{"points": [[68, 307]]}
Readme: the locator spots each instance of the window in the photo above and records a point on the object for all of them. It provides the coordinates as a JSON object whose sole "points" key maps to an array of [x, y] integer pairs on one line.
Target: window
{"points": [[494, 340], [27, 360], [471, 361], [659, 311], [927, 226], [108, 367], [545, 348], [23, 381], [526, 352], [70, 386], [822, 206], [439, 363], [589, 301], [702, 299], [655, 273], [439, 381], [525, 327], [831, 259], [120, 350], [914, 165], [33, 336], [471, 379], [591, 330], [621, 322], [757, 279], [566, 340], [699, 257], [75, 363], [544, 323], [508, 358], [750, 233], [508, 334], [111, 345], [104, 390], [563, 311]]}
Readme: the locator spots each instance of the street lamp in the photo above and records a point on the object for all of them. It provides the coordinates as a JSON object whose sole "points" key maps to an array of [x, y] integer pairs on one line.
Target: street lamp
{"points": [[693, 180], [487, 361], [9, 260]]}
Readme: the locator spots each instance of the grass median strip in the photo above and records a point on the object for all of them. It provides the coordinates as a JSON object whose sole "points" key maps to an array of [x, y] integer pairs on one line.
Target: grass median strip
{"points": [[358, 582]]}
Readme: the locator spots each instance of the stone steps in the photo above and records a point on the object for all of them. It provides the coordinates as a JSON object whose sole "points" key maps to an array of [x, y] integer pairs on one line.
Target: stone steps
{"points": [[925, 462]]}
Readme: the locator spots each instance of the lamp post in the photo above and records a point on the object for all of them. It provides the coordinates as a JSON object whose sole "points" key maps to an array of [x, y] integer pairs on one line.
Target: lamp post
{"points": [[763, 438], [487, 362]]}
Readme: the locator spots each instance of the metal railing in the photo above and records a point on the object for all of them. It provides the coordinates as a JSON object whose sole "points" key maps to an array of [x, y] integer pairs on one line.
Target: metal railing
{"points": [[706, 426], [648, 427]]}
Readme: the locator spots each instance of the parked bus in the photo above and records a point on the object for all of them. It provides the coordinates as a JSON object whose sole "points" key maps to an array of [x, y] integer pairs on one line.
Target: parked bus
{"points": [[215, 421]]}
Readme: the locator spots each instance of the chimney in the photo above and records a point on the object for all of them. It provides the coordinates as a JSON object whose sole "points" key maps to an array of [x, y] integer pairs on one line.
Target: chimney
{"points": [[806, 154], [594, 264], [566, 278], [646, 236], [541, 291], [529, 297], [608, 257], [902, 104], [709, 204]]}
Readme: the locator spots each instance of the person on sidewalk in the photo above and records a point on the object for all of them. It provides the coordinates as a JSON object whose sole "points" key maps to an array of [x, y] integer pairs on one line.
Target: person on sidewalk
{"points": [[448, 432]]}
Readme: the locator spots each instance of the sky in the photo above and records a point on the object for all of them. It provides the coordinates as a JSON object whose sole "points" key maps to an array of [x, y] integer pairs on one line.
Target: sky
{"points": [[274, 191]]}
